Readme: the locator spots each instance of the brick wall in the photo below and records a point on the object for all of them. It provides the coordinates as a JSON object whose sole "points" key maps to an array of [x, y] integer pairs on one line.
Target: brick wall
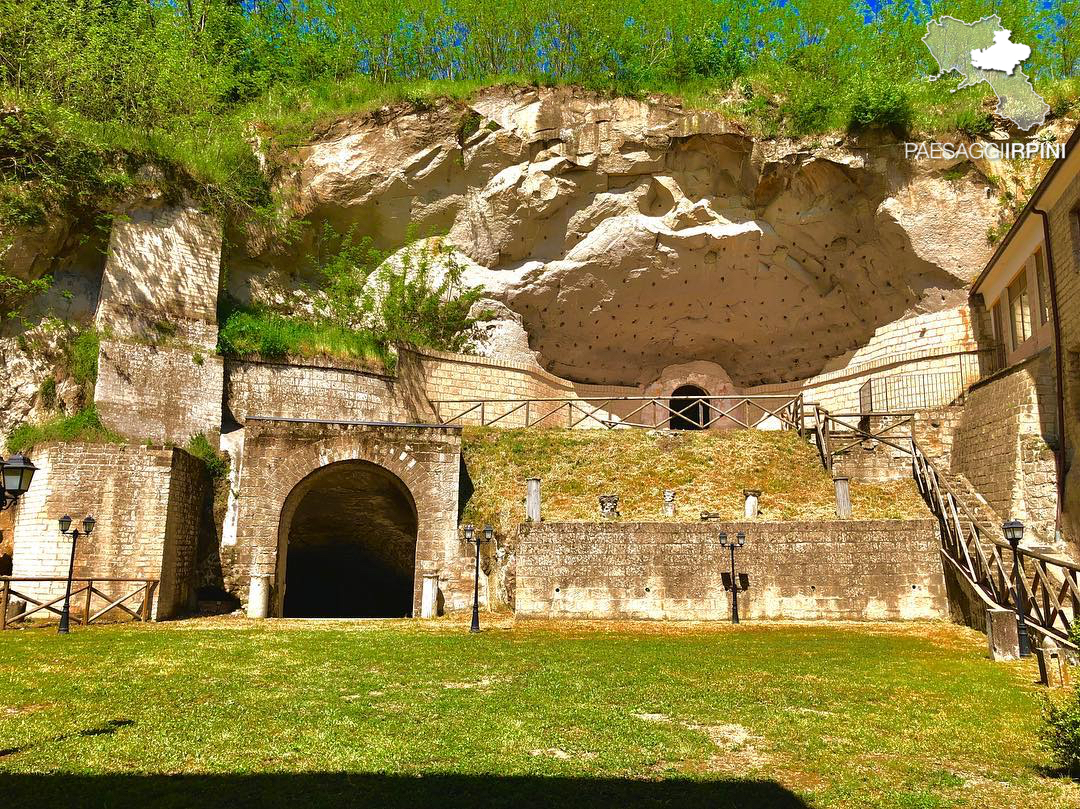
{"points": [[1003, 444], [159, 377], [1065, 251], [162, 272], [158, 393], [147, 503], [315, 388], [878, 570]]}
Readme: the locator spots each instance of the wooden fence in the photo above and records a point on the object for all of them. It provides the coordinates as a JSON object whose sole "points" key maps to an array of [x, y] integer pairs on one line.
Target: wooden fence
{"points": [[88, 601], [783, 412]]}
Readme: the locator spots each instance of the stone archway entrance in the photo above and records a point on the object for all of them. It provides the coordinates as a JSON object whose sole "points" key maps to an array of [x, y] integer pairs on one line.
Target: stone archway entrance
{"points": [[348, 544], [689, 410], [342, 463]]}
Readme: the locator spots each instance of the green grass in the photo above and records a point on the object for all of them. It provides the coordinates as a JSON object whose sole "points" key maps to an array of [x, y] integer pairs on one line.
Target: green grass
{"points": [[707, 470], [82, 426], [219, 713], [273, 336]]}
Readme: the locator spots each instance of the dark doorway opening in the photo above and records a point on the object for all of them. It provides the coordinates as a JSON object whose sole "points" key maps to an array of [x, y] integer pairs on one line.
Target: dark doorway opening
{"points": [[351, 544], [689, 410]]}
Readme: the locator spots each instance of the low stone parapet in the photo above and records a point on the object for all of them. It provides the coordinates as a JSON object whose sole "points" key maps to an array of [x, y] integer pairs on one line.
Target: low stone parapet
{"points": [[835, 570]]}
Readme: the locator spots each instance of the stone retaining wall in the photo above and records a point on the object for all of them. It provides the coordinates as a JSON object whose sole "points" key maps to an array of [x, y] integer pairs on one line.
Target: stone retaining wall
{"points": [[841, 569], [1004, 444], [148, 505]]}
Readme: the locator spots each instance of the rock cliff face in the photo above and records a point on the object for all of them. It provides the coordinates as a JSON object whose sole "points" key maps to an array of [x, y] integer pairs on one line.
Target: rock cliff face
{"points": [[629, 236]]}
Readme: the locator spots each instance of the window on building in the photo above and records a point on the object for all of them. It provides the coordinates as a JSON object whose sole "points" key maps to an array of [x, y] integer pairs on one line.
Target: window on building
{"points": [[1043, 282], [1019, 310], [995, 316]]}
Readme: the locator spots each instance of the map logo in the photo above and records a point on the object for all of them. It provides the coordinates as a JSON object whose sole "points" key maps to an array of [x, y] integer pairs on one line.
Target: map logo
{"points": [[983, 51]]}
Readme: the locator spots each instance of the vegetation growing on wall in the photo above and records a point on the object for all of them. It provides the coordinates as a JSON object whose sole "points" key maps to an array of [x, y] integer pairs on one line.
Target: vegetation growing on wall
{"points": [[361, 306], [84, 425], [93, 89]]}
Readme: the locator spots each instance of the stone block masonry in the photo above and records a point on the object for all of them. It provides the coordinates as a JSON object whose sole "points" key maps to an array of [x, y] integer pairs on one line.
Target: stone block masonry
{"points": [[1004, 442], [836, 570], [279, 457], [147, 503], [161, 274], [159, 393], [159, 377]]}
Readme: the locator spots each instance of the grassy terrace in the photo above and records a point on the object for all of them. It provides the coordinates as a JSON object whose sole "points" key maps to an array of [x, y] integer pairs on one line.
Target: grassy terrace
{"points": [[707, 470], [230, 713]]}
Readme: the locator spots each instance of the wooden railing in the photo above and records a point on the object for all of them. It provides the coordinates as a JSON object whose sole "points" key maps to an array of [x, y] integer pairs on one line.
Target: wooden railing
{"points": [[1049, 586], [836, 433], [83, 595], [1049, 589], [643, 412]]}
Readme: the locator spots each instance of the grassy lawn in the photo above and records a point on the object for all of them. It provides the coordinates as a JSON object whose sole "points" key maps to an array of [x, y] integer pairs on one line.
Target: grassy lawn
{"points": [[229, 713], [707, 469]]}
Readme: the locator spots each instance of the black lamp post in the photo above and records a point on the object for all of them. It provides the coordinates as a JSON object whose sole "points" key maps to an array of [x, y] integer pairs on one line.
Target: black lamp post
{"points": [[471, 536], [1014, 532], [740, 540], [17, 472], [65, 528]]}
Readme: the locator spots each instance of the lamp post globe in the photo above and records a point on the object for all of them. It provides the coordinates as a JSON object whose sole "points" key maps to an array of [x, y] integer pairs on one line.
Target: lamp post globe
{"points": [[1014, 532], [88, 524], [65, 524], [16, 472]]}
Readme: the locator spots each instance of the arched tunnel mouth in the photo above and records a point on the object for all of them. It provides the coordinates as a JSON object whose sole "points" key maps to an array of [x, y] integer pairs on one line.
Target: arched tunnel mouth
{"points": [[689, 410], [349, 549]]}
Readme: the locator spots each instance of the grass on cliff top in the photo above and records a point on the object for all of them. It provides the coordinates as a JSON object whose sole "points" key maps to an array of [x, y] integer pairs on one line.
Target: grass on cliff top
{"points": [[423, 714], [707, 470], [84, 426], [273, 336]]}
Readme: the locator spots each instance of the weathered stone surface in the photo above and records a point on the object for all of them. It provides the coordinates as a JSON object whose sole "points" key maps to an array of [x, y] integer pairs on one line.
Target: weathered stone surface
{"points": [[628, 236], [862, 570], [147, 502]]}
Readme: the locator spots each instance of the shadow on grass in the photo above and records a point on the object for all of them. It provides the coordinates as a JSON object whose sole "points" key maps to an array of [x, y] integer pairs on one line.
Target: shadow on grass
{"points": [[107, 729], [442, 790]]}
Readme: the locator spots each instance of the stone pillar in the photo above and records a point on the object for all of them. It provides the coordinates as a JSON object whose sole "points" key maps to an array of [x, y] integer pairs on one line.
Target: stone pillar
{"points": [[1001, 636], [843, 496], [669, 502], [429, 597], [750, 507], [258, 596], [609, 505], [1053, 670], [532, 500]]}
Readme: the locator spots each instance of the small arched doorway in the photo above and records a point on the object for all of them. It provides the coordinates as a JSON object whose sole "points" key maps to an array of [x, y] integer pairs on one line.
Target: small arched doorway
{"points": [[689, 410], [347, 545]]}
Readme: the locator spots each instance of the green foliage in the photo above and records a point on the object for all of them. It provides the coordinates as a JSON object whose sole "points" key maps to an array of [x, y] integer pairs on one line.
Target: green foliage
{"points": [[974, 122], [91, 91], [217, 463], [14, 292], [423, 301], [83, 355], [82, 426], [1061, 730], [259, 332], [47, 393], [881, 105]]}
